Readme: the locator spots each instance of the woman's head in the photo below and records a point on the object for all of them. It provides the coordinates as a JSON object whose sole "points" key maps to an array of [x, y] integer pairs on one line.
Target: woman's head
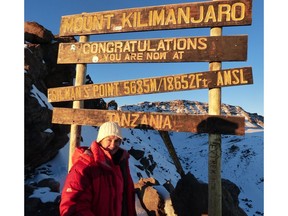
{"points": [[110, 136]]}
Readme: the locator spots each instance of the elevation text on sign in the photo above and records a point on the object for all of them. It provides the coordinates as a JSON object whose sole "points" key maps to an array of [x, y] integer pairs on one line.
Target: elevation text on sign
{"points": [[180, 82]]}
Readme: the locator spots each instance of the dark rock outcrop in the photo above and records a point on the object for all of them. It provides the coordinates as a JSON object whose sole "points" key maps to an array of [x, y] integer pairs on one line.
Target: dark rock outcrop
{"points": [[42, 138], [190, 198], [149, 197]]}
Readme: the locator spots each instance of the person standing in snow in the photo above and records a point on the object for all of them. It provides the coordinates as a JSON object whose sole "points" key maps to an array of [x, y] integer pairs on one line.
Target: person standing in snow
{"points": [[99, 181]]}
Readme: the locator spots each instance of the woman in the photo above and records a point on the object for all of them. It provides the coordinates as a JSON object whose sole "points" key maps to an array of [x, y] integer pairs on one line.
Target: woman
{"points": [[99, 182]]}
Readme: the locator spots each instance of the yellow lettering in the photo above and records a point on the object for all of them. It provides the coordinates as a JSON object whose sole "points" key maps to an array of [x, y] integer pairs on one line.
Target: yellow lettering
{"points": [[241, 15], [170, 19], [144, 120], [111, 117], [167, 122], [202, 43], [175, 56], [87, 26], [133, 56], [143, 48], [139, 24], [192, 81], [108, 17], [109, 47], [181, 44], [117, 118], [72, 93], [182, 15], [143, 18], [86, 48], [191, 43], [77, 92], [178, 55], [227, 77], [149, 48], [125, 120], [150, 18], [219, 79], [235, 78], [67, 25], [135, 118], [125, 20], [126, 47], [78, 24], [132, 45], [153, 85], [198, 79], [139, 57], [224, 9], [161, 46], [242, 80], [201, 16], [152, 121], [210, 15], [98, 22], [118, 46], [127, 56], [134, 20], [184, 82], [156, 55], [158, 18]]}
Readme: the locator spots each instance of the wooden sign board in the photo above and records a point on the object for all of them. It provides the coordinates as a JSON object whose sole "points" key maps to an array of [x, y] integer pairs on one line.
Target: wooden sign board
{"points": [[173, 16], [181, 82], [215, 124], [191, 49]]}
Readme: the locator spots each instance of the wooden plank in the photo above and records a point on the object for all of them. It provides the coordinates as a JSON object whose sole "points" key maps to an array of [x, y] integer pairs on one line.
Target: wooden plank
{"points": [[152, 120], [170, 16], [189, 49], [179, 82]]}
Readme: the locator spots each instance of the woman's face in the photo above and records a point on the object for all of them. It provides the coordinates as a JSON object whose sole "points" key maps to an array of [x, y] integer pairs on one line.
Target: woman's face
{"points": [[111, 144]]}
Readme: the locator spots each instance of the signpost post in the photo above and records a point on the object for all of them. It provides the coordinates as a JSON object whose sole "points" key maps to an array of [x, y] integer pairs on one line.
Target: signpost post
{"points": [[75, 131], [214, 157]]}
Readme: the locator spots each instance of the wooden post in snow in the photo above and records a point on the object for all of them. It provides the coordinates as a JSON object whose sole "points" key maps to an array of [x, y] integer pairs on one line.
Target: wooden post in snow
{"points": [[75, 131], [214, 158], [169, 145]]}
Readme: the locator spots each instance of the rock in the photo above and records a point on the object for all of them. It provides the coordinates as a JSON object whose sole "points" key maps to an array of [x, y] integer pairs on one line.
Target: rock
{"points": [[190, 198], [37, 34], [149, 197], [51, 183], [43, 139]]}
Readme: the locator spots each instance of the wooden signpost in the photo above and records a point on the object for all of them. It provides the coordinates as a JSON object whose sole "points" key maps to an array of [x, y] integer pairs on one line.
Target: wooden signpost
{"points": [[172, 16], [213, 49], [192, 49], [152, 120], [172, 83]]}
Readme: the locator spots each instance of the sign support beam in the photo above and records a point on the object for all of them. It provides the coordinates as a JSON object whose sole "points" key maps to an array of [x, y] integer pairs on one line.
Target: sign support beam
{"points": [[170, 147], [214, 158], [75, 130]]}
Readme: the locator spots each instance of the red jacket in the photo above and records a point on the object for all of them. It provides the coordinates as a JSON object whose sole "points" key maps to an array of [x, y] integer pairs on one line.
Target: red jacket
{"points": [[95, 185]]}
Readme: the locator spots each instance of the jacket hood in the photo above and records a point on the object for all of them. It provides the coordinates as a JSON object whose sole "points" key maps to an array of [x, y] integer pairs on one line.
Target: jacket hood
{"points": [[93, 154], [82, 153]]}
